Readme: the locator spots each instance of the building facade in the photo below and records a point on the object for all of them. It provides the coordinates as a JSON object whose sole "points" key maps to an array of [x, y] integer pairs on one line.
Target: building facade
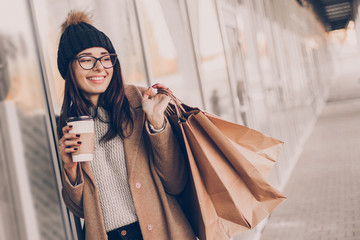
{"points": [[261, 63]]}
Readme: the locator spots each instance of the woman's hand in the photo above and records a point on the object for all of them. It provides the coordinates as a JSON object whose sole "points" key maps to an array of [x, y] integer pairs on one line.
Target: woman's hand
{"points": [[68, 144], [155, 107]]}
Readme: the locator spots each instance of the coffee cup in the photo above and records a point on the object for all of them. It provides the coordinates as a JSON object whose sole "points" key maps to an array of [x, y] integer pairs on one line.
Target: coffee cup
{"points": [[84, 126]]}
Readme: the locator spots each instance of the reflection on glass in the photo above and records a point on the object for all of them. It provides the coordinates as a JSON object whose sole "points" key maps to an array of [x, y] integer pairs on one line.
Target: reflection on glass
{"points": [[171, 58], [164, 63], [8, 222], [235, 51], [29, 201], [255, 91], [213, 67]]}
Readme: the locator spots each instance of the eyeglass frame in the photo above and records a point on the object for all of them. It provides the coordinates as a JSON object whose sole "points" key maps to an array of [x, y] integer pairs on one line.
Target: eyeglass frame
{"points": [[96, 60]]}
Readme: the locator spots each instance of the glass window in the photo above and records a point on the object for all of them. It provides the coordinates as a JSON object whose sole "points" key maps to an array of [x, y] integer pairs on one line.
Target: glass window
{"points": [[168, 46], [235, 51], [30, 205], [248, 37], [211, 58]]}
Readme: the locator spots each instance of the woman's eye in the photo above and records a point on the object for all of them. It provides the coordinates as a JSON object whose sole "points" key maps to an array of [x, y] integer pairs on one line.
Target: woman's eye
{"points": [[84, 60], [106, 59]]}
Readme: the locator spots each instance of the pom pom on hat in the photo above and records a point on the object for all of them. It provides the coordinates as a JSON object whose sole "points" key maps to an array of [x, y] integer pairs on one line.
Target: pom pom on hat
{"points": [[79, 34], [75, 17]]}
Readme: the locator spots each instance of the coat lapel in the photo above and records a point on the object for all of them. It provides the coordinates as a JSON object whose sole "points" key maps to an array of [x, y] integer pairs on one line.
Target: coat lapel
{"points": [[132, 143]]}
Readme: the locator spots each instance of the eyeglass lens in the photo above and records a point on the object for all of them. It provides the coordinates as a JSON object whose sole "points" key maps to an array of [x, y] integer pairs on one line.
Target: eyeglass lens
{"points": [[89, 62]]}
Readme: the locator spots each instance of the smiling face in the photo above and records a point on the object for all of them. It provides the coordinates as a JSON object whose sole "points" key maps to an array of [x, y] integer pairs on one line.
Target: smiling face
{"points": [[95, 81]]}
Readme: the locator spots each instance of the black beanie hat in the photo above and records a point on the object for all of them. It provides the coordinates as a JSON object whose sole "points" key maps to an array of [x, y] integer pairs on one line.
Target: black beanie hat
{"points": [[77, 35]]}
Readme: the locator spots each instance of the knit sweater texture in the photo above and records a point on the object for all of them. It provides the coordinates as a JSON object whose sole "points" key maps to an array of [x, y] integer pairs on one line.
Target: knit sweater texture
{"points": [[110, 172]]}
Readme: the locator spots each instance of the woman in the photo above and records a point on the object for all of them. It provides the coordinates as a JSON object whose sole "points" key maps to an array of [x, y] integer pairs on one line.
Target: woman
{"points": [[127, 191]]}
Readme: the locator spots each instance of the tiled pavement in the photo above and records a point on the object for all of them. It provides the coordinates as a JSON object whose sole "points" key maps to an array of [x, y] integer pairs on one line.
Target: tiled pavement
{"points": [[324, 189]]}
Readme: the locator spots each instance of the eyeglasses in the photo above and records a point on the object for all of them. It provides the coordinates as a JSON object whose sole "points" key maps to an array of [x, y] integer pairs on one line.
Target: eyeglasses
{"points": [[89, 62]]}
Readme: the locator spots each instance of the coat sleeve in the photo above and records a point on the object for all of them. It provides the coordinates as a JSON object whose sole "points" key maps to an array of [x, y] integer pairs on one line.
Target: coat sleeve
{"points": [[169, 160], [73, 194]]}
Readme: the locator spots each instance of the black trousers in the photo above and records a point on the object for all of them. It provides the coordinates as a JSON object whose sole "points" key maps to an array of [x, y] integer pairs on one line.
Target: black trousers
{"points": [[128, 232]]}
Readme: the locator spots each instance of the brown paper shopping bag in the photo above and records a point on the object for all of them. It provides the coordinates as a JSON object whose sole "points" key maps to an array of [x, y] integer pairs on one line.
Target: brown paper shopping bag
{"points": [[227, 192]]}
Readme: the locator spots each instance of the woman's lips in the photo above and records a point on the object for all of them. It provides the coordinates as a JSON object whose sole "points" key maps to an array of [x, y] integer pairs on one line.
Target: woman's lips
{"points": [[97, 79]]}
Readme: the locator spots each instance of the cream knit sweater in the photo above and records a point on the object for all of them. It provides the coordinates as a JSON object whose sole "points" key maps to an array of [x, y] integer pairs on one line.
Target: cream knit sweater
{"points": [[109, 168]]}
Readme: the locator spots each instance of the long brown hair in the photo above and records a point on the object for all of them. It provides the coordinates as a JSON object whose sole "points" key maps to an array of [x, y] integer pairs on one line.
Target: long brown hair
{"points": [[113, 100]]}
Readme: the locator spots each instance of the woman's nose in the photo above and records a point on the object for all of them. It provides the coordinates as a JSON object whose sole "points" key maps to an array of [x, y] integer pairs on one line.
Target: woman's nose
{"points": [[98, 66]]}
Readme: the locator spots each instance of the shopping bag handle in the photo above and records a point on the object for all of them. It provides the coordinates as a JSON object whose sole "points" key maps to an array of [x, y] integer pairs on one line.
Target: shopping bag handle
{"points": [[179, 109]]}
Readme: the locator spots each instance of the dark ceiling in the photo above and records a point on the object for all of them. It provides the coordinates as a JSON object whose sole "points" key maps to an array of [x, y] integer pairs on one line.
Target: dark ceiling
{"points": [[335, 14]]}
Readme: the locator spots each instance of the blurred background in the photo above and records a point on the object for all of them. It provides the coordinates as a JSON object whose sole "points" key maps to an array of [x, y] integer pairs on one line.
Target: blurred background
{"points": [[271, 65]]}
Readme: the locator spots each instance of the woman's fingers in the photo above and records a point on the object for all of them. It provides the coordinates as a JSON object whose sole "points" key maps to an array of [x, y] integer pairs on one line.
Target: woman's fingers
{"points": [[69, 136], [68, 146], [161, 86], [156, 86], [147, 94], [69, 142], [165, 100], [71, 149], [72, 143], [66, 129]]}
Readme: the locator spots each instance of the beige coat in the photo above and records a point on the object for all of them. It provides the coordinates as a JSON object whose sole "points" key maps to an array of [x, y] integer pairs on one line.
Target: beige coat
{"points": [[156, 171]]}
